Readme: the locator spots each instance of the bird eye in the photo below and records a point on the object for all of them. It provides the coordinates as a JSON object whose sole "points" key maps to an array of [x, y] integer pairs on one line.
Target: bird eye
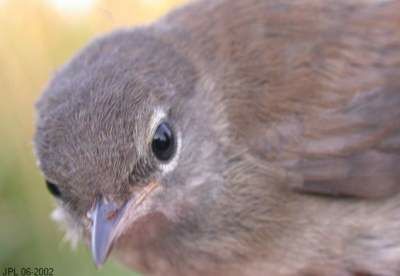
{"points": [[53, 189], [163, 144]]}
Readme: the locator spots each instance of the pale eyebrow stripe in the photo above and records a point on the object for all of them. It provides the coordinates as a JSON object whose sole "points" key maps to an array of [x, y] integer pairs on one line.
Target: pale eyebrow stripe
{"points": [[157, 116]]}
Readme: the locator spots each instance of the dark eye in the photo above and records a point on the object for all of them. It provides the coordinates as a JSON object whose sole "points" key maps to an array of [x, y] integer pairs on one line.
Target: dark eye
{"points": [[53, 189], [163, 144]]}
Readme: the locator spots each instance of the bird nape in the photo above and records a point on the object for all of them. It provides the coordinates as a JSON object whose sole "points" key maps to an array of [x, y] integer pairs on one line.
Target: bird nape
{"points": [[233, 137]]}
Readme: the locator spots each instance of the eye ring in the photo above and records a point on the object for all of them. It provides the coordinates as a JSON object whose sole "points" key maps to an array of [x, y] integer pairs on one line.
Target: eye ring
{"points": [[53, 189], [163, 144]]}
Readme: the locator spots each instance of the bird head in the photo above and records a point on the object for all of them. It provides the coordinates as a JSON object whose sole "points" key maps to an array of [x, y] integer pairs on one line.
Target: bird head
{"points": [[128, 144]]}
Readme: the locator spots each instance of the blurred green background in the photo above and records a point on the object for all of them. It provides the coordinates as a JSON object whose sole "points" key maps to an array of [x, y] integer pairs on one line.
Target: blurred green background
{"points": [[36, 37]]}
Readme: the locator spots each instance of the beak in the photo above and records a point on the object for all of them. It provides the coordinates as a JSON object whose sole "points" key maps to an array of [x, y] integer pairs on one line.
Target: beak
{"points": [[106, 218]]}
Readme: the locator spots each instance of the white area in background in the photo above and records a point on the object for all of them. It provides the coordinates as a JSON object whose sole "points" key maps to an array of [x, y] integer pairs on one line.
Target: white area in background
{"points": [[152, 2], [72, 6]]}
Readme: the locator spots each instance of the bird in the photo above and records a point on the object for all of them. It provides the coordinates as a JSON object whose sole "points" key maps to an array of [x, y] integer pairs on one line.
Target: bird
{"points": [[233, 137]]}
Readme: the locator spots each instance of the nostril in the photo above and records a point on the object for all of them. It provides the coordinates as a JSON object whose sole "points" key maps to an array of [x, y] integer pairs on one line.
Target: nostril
{"points": [[112, 214]]}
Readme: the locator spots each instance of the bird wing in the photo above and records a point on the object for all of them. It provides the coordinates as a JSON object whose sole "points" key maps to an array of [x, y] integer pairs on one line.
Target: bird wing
{"points": [[331, 117], [351, 149]]}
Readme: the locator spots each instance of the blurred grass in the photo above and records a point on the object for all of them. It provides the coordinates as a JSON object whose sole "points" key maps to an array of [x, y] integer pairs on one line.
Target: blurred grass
{"points": [[35, 39]]}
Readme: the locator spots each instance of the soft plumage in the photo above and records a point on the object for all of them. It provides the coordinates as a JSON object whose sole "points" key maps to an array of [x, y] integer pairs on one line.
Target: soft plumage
{"points": [[270, 104]]}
